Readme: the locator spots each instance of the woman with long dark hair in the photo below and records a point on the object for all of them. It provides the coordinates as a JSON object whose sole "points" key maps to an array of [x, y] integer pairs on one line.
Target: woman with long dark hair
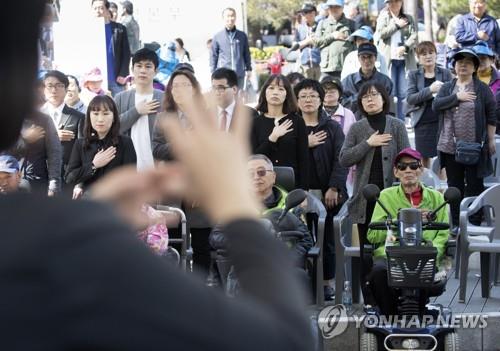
{"points": [[101, 149], [182, 90], [279, 132]]}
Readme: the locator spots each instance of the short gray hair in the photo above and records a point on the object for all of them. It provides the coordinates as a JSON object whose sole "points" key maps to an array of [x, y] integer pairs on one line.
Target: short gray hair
{"points": [[263, 158]]}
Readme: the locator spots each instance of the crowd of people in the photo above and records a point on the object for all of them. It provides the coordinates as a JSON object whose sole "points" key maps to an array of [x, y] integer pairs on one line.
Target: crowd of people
{"points": [[339, 123]]}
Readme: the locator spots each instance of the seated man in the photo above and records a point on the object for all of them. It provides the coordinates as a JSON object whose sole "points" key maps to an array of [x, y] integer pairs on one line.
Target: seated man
{"points": [[10, 176], [410, 193], [260, 169]]}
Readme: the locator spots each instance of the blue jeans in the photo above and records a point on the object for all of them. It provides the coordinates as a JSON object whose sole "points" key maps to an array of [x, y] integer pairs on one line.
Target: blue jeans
{"points": [[398, 76], [114, 88]]}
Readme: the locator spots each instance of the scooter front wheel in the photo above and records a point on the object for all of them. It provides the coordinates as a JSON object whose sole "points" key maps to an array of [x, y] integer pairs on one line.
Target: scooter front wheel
{"points": [[451, 342], [368, 342]]}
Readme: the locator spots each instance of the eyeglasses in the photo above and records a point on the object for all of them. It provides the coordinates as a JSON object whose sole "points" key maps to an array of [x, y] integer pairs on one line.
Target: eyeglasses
{"points": [[308, 97], [260, 172], [56, 86], [181, 85], [220, 88], [370, 96], [402, 166]]}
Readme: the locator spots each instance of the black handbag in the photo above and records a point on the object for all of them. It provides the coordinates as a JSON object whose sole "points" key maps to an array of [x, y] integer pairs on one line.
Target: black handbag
{"points": [[467, 153]]}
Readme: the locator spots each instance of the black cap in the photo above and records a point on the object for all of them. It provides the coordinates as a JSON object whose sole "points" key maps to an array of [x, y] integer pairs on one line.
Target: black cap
{"points": [[367, 48], [306, 8], [329, 80]]}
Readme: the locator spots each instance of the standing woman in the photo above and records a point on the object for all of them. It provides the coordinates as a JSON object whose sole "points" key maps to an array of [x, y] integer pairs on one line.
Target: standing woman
{"points": [[467, 111], [397, 38], [181, 92], [279, 132], [371, 145], [101, 149], [325, 137], [423, 85], [181, 53]]}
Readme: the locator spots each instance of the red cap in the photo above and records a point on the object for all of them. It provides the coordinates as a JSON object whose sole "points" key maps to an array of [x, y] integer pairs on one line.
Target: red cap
{"points": [[410, 153]]}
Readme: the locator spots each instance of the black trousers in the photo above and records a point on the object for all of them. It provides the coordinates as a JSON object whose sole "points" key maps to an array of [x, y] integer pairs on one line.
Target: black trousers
{"points": [[329, 245], [201, 250], [365, 259], [465, 179], [385, 298]]}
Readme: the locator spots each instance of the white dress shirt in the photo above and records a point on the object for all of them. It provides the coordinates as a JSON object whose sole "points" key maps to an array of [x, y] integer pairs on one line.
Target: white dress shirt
{"points": [[55, 113], [229, 113]]}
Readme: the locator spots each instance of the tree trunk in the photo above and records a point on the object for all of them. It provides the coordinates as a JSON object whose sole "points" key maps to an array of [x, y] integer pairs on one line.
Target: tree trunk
{"points": [[429, 35], [410, 7]]}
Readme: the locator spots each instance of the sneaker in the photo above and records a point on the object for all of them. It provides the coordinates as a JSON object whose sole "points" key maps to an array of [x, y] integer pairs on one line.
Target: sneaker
{"points": [[329, 293]]}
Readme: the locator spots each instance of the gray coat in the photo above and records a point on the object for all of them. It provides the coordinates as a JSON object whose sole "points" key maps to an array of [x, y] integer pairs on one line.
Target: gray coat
{"points": [[125, 102], [418, 95], [386, 27], [357, 152]]}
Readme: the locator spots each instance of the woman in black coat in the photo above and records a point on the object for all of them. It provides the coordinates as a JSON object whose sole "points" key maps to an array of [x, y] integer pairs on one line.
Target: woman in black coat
{"points": [[467, 113], [102, 148], [423, 85], [326, 175], [278, 131]]}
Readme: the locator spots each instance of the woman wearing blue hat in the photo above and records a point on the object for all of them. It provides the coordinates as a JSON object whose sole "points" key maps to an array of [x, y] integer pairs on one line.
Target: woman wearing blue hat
{"points": [[487, 72], [467, 121], [351, 63]]}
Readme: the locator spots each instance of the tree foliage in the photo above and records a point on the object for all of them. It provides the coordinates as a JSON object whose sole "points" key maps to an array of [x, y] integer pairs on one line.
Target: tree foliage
{"points": [[450, 8], [275, 12]]}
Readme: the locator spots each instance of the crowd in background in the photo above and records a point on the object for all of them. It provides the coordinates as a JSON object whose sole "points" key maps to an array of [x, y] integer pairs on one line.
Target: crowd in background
{"points": [[338, 120]]}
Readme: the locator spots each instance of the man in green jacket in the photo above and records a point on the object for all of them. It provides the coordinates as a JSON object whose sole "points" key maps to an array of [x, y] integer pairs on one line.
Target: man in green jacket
{"points": [[331, 37], [410, 193]]}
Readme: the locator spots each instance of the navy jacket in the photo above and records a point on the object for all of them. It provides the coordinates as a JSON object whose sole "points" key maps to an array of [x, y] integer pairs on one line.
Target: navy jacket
{"points": [[467, 28], [121, 49], [232, 53]]}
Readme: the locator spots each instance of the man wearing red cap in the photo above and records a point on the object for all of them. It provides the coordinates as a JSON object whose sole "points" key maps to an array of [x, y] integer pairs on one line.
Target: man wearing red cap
{"points": [[410, 193]]}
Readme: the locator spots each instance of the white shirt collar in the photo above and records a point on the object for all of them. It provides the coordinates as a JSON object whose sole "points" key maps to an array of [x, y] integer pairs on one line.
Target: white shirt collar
{"points": [[229, 110], [50, 109]]}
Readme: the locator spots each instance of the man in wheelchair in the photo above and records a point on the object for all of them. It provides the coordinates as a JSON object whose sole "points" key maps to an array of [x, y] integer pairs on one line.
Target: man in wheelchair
{"points": [[410, 193], [260, 170]]}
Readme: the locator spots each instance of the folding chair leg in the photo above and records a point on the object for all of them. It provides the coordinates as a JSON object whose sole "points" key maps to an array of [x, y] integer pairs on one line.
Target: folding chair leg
{"points": [[339, 277], [485, 274], [355, 278], [496, 278], [464, 267], [457, 256]]}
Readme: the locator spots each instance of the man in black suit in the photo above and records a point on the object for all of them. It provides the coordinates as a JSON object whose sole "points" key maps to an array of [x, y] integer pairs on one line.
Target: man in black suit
{"points": [[225, 88], [117, 47], [68, 122]]}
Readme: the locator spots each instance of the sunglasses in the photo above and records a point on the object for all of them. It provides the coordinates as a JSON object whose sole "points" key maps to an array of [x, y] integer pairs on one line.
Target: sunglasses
{"points": [[260, 172], [402, 166]]}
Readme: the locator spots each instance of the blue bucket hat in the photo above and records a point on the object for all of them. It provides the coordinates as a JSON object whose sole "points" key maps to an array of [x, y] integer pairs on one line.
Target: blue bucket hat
{"points": [[335, 3], [364, 32], [8, 164], [481, 48]]}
